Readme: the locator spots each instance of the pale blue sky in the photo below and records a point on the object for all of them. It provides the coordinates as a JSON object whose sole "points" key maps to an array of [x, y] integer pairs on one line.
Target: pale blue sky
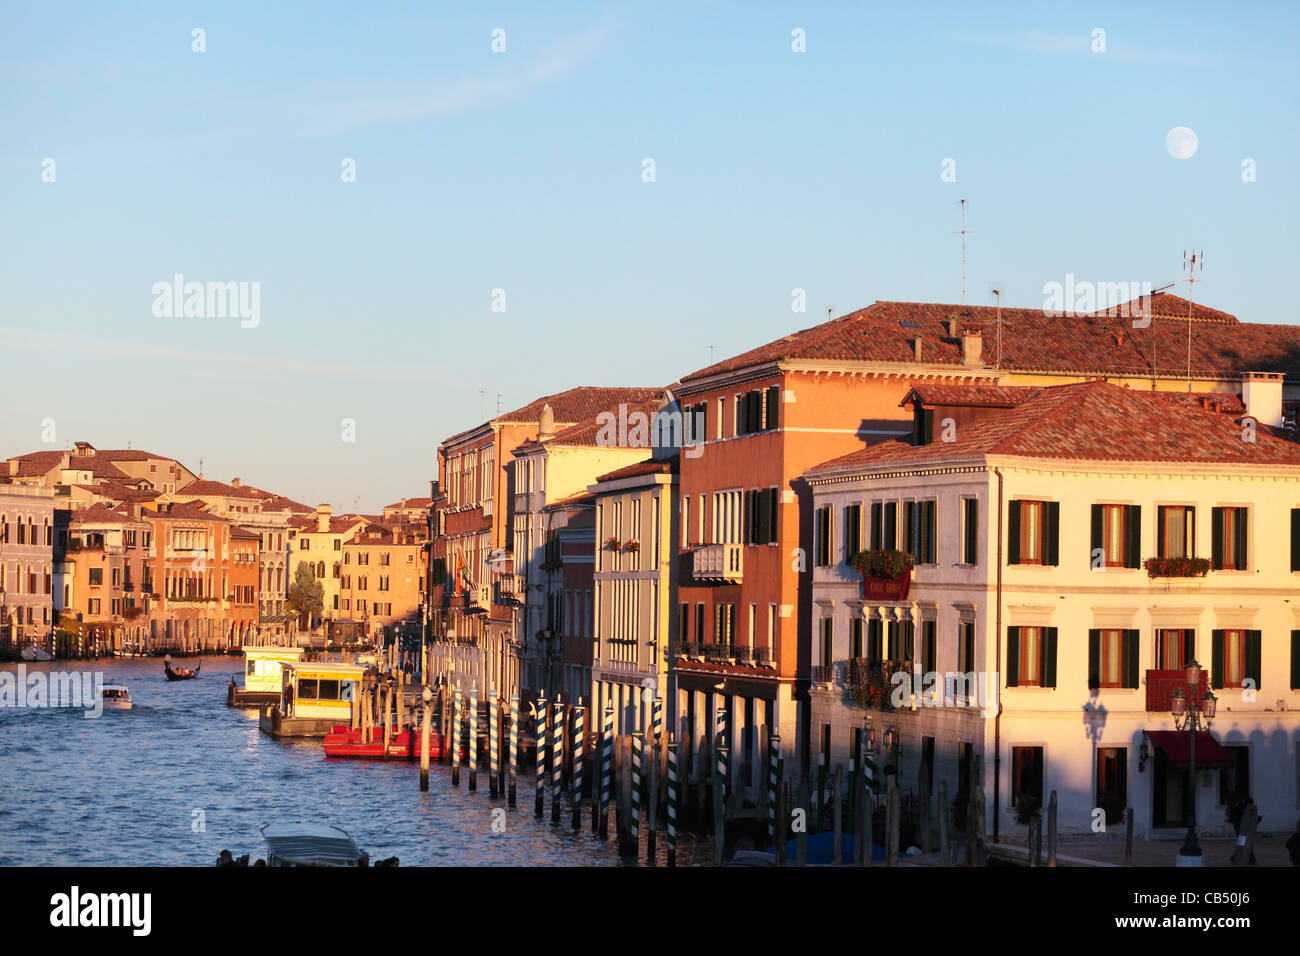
{"points": [[522, 171]]}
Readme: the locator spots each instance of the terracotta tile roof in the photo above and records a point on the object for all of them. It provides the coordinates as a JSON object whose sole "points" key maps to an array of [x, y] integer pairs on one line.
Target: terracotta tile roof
{"points": [[281, 503], [176, 510], [1032, 340], [39, 463], [410, 503], [98, 513], [238, 532], [1095, 421], [580, 404], [580, 498], [587, 433], [116, 491], [971, 396], [219, 489], [666, 466]]}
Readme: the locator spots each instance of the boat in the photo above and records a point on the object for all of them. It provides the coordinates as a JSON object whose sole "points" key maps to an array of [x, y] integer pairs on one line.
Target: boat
{"points": [[33, 653], [263, 676], [313, 844], [116, 697], [315, 697], [348, 742], [180, 673]]}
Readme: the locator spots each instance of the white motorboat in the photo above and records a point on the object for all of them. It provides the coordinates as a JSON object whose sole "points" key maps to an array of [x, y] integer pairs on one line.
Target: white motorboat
{"points": [[117, 697], [33, 653], [309, 844]]}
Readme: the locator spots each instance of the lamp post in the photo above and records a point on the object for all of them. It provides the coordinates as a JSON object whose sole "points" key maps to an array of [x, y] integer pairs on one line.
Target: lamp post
{"points": [[1191, 711]]}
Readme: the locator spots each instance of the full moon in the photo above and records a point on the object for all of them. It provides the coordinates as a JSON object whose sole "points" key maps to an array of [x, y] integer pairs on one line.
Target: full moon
{"points": [[1181, 142]]}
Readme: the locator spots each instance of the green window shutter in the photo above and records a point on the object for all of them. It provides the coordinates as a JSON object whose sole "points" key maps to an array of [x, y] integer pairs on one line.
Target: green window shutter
{"points": [[773, 508], [1132, 536], [1049, 657], [1254, 657], [1094, 657], [1216, 538], [1189, 646], [1096, 542], [1160, 531], [1131, 644], [1013, 533], [873, 638], [1295, 658], [1013, 656], [1239, 544], [1216, 659], [876, 524], [1052, 533], [931, 536], [773, 405]]}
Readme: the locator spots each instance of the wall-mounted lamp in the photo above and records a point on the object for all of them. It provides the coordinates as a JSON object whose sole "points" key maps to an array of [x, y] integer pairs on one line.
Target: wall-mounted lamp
{"points": [[1144, 754]]}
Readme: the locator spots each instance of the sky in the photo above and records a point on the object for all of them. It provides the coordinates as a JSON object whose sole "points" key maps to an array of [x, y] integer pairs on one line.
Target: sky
{"points": [[613, 195]]}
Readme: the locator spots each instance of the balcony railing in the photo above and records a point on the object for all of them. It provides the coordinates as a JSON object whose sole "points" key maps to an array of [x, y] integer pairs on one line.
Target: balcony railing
{"points": [[823, 673], [1161, 684], [719, 562], [762, 655], [870, 682]]}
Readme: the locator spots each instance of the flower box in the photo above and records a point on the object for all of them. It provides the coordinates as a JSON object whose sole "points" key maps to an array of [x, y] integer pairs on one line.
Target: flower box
{"points": [[886, 574], [612, 544], [1177, 567], [631, 546]]}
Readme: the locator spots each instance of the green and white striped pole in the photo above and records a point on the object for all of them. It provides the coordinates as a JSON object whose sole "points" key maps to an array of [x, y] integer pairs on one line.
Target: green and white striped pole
{"points": [[557, 757], [494, 735], [541, 711], [514, 744], [723, 750], [579, 722], [606, 768], [672, 800]]}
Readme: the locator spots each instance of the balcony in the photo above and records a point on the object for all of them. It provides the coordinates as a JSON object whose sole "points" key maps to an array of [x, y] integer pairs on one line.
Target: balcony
{"points": [[870, 682], [1161, 684], [718, 562], [823, 673]]}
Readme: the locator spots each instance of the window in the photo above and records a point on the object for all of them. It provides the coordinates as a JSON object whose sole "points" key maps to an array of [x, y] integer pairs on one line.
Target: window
{"points": [[855, 638], [900, 647], [970, 530], [1116, 533], [827, 647], [966, 646], [919, 530], [1236, 656], [852, 530], [1112, 658], [1295, 660], [724, 625], [1027, 775], [1295, 539], [1031, 657], [304, 544], [1234, 779], [1174, 648], [699, 623], [760, 516], [928, 647], [1032, 532], [1228, 534], [684, 623], [92, 605], [1112, 782], [96, 575], [822, 546], [875, 635], [1176, 531]]}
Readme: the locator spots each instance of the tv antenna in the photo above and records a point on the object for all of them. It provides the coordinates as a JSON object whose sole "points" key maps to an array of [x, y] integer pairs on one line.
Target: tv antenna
{"points": [[962, 232], [1193, 261], [480, 404], [998, 360]]}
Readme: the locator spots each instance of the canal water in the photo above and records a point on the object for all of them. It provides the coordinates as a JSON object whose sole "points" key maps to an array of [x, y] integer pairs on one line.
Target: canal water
{"points": [[182, 777]]}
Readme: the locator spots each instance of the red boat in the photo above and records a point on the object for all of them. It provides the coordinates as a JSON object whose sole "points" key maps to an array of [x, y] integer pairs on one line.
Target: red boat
{"points": [[345, 742]]}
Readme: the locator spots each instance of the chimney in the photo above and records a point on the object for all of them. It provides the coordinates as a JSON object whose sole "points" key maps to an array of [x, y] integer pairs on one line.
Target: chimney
{"points": [[13, 466], [951, 325], [916, 349], [972, 344], [234, 482], [546, 423], [1119, 337], [323, 513], [1261, 392]]}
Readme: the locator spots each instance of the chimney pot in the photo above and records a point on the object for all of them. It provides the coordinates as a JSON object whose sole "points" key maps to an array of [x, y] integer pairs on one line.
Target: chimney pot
{"points": [[1261, 393], [916, 349], [972, 344], [234, 482]]}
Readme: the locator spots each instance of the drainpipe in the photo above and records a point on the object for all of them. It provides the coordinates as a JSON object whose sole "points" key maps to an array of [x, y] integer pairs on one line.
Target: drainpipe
{"points": [[997, 721]]}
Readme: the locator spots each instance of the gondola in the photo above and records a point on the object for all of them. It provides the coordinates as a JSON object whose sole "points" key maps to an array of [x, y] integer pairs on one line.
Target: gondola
{"points": [[180, 673]]}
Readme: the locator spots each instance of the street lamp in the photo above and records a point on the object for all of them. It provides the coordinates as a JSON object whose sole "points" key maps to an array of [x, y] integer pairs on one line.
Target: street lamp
{"points": [[1192, 712]]}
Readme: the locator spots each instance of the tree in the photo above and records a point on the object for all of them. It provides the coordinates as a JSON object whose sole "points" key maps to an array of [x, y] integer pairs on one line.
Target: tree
{"points": [[306, 595]]}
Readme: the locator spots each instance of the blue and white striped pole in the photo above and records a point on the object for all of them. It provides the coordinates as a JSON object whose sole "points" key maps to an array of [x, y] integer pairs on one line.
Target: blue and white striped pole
{"points": [[541, 756], [455, 739], [494, 736], [723, 750], [672, 800], [634, 817], [579, 724], [773, 782], [557, 758], [473, 736], [606, 768], [514, 744]]}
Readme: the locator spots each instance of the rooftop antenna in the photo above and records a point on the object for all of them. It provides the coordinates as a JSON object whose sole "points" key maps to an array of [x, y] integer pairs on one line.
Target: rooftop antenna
{"points": [[498, 403], [998, 361], [962, 232], [480, 404], [710, 354], [1193, 260]]}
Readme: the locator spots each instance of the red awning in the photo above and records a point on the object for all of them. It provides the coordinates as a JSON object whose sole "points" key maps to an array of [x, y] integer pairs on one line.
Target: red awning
{"points": [[1174, 744]]}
